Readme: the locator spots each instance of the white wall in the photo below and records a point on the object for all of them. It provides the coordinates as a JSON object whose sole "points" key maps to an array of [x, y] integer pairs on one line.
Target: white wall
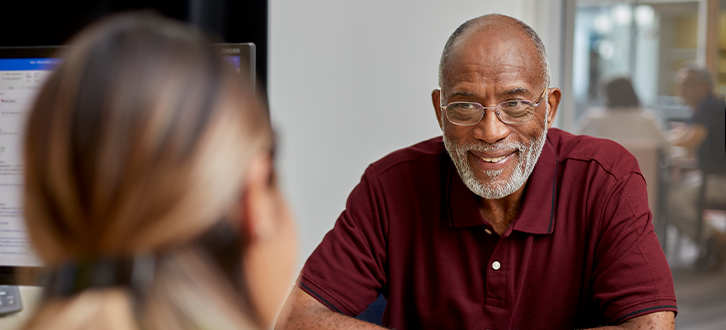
{"points": [[350, 81]]}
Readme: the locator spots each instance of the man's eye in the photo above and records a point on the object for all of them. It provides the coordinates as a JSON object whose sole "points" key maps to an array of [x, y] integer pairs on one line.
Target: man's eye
{"points": [[511, 104], [464, 106]]}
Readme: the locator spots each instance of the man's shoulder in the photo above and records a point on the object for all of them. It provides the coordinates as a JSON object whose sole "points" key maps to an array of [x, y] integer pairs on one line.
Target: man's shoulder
{"points": [[430, 150], [714, 104], [607, 154], [709, 110]]}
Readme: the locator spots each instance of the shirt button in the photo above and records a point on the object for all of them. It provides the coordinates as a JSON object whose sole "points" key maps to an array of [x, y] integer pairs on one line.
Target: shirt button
{"points": [[496, 265], [488, 231]]}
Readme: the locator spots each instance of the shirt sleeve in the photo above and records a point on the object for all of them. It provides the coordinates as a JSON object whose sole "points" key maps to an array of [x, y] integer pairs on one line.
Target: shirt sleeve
{"points": [[631, 277], [347, 270]]}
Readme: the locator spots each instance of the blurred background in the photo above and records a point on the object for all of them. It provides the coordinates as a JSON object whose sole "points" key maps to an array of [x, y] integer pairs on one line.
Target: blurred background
{"points": [[349, 82]]}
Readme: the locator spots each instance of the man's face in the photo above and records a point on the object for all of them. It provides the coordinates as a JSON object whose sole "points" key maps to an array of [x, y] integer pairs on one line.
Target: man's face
{"points": [[690, 89], [491, 66]]}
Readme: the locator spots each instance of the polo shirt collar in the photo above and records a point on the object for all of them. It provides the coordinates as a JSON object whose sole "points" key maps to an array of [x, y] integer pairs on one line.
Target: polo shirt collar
{"points": [[538, 208]]}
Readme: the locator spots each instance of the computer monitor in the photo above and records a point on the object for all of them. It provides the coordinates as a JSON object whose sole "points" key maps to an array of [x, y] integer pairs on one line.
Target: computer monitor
{"points": [[22, 73], [242, 57]]}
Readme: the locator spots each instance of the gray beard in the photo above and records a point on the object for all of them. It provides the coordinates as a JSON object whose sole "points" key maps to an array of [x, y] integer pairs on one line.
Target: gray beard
{"points": [[496, 187]]}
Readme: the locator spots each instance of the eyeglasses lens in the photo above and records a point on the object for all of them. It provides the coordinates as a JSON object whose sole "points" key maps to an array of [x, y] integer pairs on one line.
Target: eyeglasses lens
{"points": [[464, 113], [516, 111]]}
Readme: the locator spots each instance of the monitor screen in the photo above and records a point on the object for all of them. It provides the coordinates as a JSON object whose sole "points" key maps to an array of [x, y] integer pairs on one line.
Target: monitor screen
{"points": [[22, 73], [20, 81]]}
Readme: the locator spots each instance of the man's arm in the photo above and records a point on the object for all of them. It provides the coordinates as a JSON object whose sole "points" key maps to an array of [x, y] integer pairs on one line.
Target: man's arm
{"points": [[689, 136], [654, 321], [631, 276], [301, 311]]}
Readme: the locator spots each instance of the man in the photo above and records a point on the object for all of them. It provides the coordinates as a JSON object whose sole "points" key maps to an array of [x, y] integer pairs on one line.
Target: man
{"points": [[497, 225], [705, 134]]}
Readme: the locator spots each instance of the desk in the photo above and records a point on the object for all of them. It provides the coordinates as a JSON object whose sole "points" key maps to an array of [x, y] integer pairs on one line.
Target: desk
{"points": [[681, 160], [30, 296]]}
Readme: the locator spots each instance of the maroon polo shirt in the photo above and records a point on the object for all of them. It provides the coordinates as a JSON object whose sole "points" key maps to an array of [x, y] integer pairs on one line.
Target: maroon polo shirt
{"points": [[582, 252]]}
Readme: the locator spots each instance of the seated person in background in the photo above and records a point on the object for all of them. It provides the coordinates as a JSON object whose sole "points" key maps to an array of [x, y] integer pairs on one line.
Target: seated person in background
{"points": [[502, 223], [150, 192], [622, 118], [705, 133], [638, 129]]}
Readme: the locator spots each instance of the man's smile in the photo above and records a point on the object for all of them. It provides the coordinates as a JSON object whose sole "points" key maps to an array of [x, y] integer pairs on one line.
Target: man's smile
{"points": [[493, 161]]}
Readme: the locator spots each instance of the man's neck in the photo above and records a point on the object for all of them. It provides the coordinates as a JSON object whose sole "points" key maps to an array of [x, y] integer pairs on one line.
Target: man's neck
{"points": [[500, 213]]}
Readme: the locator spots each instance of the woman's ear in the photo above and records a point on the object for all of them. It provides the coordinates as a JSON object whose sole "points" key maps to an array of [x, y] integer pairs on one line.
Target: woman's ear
{"points": [[257, 207], [269, 256]]}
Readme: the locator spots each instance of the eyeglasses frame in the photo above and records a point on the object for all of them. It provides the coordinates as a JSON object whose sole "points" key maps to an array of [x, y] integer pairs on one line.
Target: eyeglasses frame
{"points": [[535, 105]]}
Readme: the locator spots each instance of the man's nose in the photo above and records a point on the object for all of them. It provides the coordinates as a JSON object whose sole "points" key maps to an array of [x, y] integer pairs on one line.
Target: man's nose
{"points": [[490, 129]]}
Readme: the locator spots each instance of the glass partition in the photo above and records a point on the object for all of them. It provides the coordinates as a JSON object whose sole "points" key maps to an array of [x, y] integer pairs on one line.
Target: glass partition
{"points": [[646, 42]]}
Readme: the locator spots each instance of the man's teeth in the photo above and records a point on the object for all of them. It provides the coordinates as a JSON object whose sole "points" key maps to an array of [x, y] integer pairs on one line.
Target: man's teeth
{"points": [[493, 160]]}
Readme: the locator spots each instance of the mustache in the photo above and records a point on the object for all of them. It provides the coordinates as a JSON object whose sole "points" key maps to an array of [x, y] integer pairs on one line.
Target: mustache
{"points": [[492, 147]]}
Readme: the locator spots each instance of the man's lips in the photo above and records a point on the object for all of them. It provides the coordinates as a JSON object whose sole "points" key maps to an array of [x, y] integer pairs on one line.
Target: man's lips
{"points": [[493, 157]]}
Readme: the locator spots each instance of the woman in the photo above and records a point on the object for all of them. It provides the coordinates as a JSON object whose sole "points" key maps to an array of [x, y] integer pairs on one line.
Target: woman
{"points": [[623, 118], [150, 191]]}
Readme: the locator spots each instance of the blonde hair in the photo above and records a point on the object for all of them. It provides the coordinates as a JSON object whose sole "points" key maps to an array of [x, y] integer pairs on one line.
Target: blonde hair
{"points": [[138, 143]]}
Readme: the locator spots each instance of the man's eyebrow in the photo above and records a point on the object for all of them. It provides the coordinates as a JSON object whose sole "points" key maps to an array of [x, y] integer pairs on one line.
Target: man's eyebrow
{"points": [[461, 93], [516, 90]]}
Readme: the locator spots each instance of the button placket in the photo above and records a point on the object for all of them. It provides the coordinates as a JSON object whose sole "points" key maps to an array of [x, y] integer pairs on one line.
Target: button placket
{"points": [[496, 277]]}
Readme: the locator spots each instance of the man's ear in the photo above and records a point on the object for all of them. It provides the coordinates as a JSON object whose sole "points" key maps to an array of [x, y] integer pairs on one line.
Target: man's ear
{"points": [[436, 100], [553, 99], [257, 206]]}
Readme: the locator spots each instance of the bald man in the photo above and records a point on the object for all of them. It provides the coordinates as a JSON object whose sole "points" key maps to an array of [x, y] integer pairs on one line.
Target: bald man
{"points": [[501, 223]]}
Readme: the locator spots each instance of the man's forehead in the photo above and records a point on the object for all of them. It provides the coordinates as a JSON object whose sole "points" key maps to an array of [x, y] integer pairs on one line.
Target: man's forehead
{"points": [[688, 79], [510, 89], [488, 50]]}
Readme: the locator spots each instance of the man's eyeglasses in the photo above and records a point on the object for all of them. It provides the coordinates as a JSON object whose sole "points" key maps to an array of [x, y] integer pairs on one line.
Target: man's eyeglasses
{"points": [[509, 112]]}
